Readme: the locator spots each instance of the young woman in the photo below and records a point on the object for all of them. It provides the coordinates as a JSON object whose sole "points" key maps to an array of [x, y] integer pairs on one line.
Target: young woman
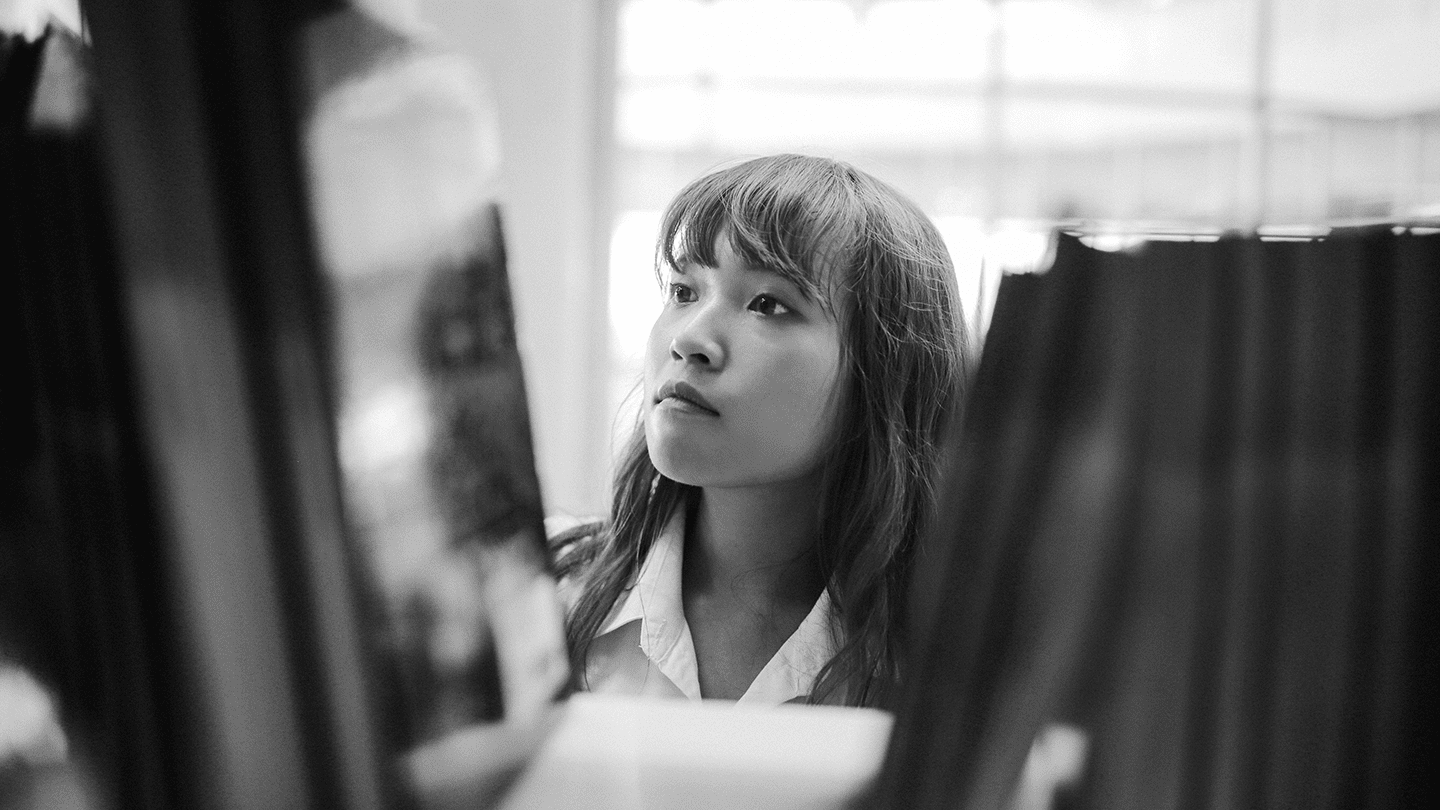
{"points": [[797, 383]]}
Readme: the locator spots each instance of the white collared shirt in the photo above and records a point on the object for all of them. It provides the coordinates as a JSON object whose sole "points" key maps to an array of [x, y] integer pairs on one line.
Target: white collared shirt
{"points": [[644, 647]]}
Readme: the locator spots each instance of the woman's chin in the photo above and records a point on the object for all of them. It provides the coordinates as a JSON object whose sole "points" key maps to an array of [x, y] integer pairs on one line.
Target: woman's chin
{"points": [[676, 471], [674, 453]]}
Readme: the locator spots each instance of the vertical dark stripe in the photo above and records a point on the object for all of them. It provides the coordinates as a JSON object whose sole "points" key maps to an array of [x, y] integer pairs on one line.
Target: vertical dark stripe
{"points": [[1265, 548]]}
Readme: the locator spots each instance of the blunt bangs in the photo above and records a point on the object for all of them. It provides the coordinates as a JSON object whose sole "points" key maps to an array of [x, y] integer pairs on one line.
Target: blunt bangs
{"points": [[795, 216]]}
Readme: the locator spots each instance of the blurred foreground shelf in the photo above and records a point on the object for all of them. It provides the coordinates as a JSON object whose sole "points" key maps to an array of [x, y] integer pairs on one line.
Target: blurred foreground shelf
{"points": [[620, 752]]}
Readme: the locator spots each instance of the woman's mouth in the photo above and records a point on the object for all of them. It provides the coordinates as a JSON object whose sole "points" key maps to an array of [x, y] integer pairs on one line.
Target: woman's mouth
{"points": [[684, 394]]}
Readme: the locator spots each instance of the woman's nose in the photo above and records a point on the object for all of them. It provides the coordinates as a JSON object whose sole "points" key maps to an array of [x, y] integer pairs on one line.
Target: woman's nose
{"points": [[699, 340]]}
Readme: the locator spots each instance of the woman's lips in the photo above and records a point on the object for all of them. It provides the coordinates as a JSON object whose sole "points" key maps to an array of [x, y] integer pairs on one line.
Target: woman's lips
{"points": [[684, 393]]}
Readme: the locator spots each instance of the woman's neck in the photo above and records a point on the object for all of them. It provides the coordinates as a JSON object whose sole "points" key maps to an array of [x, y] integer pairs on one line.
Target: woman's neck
{"points": [[755, 545]]}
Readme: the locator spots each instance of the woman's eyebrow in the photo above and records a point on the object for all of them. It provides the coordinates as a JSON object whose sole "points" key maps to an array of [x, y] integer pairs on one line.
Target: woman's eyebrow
{"points": [[800, 289]]}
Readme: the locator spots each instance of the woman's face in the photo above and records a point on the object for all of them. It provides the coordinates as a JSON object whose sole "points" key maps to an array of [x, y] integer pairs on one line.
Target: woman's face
{"points": [[741, 372]]}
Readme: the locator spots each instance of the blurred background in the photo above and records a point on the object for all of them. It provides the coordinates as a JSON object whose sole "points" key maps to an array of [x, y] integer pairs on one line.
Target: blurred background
{"points": [[186, 423], [1001, 118]]}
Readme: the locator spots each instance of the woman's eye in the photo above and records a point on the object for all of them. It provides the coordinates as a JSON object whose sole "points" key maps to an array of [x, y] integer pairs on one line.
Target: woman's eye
{"points": [[765, 305], [681, 294]]}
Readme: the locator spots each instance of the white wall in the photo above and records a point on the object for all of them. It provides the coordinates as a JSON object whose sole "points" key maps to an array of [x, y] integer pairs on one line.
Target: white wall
{"points": [[543, 60]]}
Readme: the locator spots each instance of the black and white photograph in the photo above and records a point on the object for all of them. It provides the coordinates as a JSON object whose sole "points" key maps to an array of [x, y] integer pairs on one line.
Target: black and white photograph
{"points": [[719, 404]]}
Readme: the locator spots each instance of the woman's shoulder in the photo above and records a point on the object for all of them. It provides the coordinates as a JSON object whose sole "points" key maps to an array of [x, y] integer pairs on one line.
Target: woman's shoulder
{"points": [[573, 544]]}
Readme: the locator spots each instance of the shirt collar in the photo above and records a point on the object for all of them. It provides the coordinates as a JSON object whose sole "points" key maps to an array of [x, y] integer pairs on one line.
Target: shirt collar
{"points": [[792, 671], [655, 602], [655, 598]]}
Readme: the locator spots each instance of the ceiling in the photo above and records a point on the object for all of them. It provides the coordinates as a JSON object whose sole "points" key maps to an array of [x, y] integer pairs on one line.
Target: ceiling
{"points": [[922, 73]]}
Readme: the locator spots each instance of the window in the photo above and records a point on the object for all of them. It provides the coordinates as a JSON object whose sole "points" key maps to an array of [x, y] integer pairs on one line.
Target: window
{"points": [[1005, 118]]}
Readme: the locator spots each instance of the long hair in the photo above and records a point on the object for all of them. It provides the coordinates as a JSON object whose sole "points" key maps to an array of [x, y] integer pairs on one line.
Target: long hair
{"points": [[880, 267]]}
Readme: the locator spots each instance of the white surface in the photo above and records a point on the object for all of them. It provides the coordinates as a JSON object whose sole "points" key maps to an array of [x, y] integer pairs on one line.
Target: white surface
{"points": [[611, 752], [760, 76]]}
